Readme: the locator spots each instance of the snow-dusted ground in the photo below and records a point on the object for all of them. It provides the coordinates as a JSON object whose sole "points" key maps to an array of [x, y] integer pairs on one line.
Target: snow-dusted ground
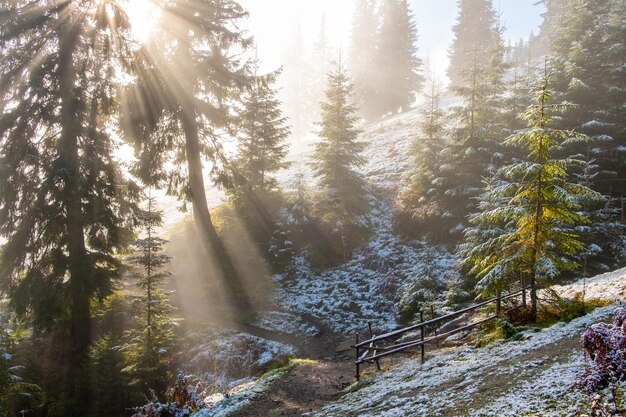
{"points": [[239, 397], [368, 286], [608, 286], [533, 376], [218, 357], [279, 321]]}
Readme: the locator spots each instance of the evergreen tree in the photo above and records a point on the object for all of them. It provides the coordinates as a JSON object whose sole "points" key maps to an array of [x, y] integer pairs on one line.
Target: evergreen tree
{"points": [[65, 209], [337, 155], [262, 135], [589, 55], [294, 91], [110, 389], [424, 179], [262, 151], [397, 66], [316, 70], [362, 56], [602, 234], [475, 30], [475, 148], [530, 208], [182, 105], [151, 339], [299, 208]]}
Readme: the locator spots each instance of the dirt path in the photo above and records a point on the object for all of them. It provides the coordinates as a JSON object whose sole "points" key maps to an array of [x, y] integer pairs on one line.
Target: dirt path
{"points": [[306, 388]]}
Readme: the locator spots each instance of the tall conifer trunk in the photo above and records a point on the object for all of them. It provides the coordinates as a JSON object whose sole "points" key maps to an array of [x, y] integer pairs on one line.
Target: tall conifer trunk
{"points": [[70, 167], [210, 241]]}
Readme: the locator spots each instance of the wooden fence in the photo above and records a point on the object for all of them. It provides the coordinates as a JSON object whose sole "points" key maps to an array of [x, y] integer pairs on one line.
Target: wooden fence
{"points": [[371, 350]]}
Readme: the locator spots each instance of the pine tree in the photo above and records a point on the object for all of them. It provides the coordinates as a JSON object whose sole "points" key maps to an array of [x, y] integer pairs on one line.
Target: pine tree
{"points": [[362, 56], [262, 152], [337, 155], [180, 108], [151, 339], [424, 179], [475, 149], [397, 66], [262, 136], [602, 234], [316, 70], [299, 208], [475, 30], [294, 89], [531, 207], [66, 211], [589, 55]]}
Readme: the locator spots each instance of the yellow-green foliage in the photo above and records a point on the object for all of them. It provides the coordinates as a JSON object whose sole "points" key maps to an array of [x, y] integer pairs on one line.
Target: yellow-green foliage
{"points": [[567, 309]]}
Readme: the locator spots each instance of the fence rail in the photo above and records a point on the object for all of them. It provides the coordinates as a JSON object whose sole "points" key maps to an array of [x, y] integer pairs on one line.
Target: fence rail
{"points": [[369, 351]]}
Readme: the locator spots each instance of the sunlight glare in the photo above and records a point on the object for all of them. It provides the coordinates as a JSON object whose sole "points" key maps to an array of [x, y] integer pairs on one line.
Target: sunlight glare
{"points": [[143, 16]]}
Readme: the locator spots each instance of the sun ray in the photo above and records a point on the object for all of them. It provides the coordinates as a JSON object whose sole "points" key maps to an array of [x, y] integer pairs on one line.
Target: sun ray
{"points": [[143, 16]]}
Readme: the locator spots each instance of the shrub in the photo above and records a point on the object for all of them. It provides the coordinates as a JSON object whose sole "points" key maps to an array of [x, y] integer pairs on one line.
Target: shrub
{"points": [[495, 330], [605, 353]]}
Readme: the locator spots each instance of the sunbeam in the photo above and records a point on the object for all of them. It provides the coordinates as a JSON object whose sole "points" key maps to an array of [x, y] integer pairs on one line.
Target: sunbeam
{"points": [[143, 16]]}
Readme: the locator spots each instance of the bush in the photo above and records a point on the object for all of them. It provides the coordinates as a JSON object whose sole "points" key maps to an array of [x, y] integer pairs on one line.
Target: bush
{"points": [[605, 353], [182, 401], [494, 330]]}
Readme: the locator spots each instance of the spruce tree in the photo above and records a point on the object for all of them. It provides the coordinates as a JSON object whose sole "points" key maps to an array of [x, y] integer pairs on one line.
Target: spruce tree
{"points": [[602, 234], [397, 65], [424, 179], [262, 151], [474, 149], [151, 338], [262, 135], [338, 154], [529, 208], [362, 54], [475, 30], [65, 209], [299, 203], [589, 54]]}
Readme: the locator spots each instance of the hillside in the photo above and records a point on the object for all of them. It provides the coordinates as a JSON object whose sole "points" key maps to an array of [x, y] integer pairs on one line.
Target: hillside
{"points": [[530, 375]]}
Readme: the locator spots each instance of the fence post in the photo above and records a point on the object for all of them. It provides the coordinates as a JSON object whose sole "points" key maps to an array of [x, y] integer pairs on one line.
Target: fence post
{"points": [[358, 374], [432, 316], [523, 282], [422, 334], [498, 302], [369, 326]]}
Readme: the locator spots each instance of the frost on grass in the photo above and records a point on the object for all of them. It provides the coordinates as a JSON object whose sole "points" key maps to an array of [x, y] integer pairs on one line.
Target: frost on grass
{"points": [[370, 286], [533, 375], [218, 358], [279, 321], [220, 405], [610, 286]]}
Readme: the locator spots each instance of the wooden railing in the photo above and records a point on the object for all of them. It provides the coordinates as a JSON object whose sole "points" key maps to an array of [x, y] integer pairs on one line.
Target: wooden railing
{"points": [[371, 350]]}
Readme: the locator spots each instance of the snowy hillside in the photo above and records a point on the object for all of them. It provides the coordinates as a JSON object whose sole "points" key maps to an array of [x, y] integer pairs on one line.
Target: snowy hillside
{"points": [[532, 376]]}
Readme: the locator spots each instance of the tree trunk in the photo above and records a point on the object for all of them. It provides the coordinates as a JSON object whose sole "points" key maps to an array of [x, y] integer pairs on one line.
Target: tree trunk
{"points": [[210, 241], [76, 381], [70, 166]]}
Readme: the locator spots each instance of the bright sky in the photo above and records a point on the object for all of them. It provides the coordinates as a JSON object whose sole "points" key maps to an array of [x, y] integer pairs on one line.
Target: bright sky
{"points": [[273, 22]]}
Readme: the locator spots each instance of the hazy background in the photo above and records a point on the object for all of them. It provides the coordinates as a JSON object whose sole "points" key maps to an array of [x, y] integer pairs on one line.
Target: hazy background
{"points": [[273, 23]]}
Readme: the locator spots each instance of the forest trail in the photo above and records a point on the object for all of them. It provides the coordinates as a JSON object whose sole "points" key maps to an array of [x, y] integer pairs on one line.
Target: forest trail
{"points": [[305, 389]]}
